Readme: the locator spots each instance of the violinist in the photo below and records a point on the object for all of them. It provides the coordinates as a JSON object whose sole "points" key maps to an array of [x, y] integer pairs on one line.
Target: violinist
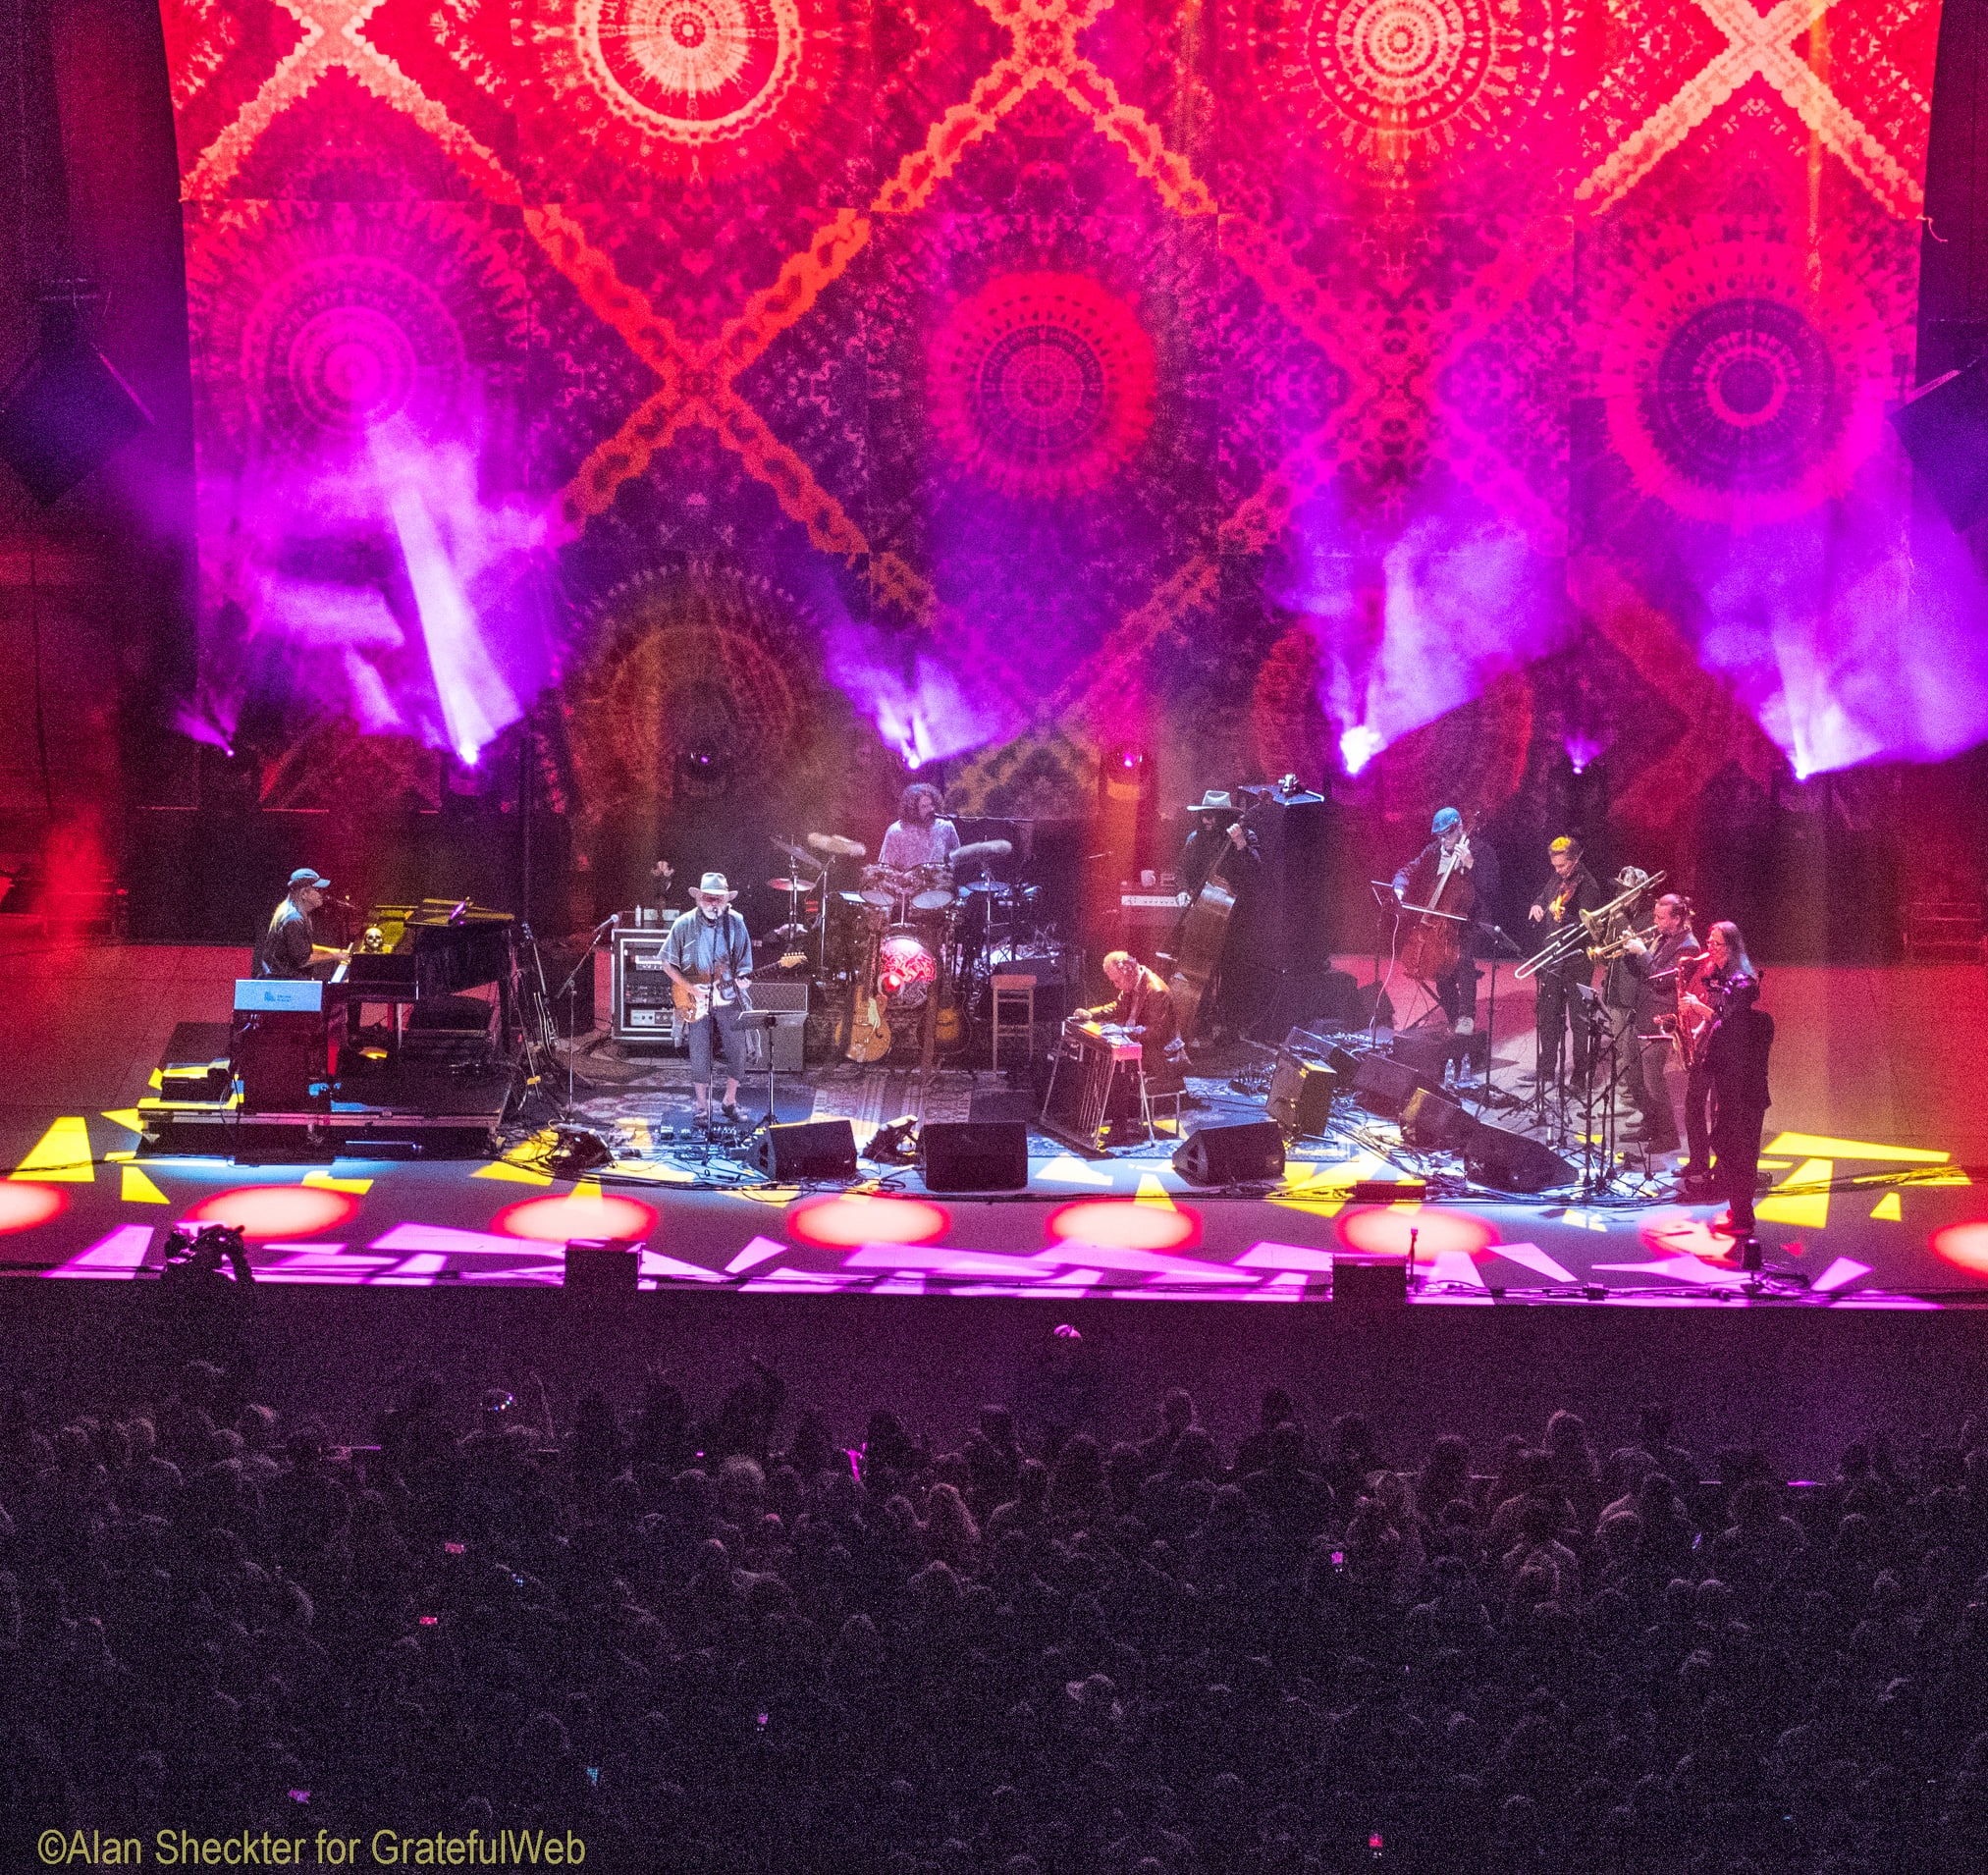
{"points": [[1570, 890], [1453, 874]]}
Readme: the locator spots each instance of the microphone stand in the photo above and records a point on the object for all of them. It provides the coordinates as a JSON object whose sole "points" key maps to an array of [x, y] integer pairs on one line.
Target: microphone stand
{"points": [[607, 924]]}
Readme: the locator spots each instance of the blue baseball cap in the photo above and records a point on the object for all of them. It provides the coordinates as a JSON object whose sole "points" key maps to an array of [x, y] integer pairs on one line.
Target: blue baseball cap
{"points": [[1446, 817]]}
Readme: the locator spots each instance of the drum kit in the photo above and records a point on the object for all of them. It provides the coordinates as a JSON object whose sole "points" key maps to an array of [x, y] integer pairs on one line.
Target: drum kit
{"points": [[899, 938]]}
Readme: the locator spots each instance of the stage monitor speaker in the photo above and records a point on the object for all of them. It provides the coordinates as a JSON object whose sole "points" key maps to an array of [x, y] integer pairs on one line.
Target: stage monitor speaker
{"points": [[975, 1156], [1385, 1087], [1301, 1094], [1945, 430], [811, 1150], [1231, 1154], [600, 1265], [1511, 1163], [1432, 1122], [1370, 1282], [67, 410]]}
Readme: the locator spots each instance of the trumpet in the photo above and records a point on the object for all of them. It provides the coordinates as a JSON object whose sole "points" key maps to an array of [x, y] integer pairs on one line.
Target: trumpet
{"points": [[1584, 936], [1617, 946]]}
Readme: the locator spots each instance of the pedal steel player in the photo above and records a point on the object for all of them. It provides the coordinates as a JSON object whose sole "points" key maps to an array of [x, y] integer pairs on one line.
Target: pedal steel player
{"points": [[1144, 1010], [711, 946]]}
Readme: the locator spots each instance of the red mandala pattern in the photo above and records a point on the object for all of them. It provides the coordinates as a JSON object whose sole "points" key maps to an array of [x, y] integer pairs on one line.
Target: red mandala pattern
{"points": [[1043, 383], [1402, 86], [1736, 394], [703, 89]]}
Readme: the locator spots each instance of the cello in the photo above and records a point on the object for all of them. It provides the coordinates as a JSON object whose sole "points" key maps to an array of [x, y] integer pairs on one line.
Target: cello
{"points": [[1434, 946]]}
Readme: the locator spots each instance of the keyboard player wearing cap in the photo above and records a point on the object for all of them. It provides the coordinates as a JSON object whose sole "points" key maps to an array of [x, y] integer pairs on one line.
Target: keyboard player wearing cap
{"points": [[288, 946]]}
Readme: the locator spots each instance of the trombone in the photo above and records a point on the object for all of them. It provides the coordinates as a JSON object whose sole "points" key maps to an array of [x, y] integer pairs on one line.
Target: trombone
{"points": [[1586, 934]]}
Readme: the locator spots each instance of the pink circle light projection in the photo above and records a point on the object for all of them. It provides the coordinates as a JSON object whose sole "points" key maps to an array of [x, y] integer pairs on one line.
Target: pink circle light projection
{"points": [[1963, 1244], [1382, 1231], [843, 1222], [22, 1207], [266, 1213], [1124, 1223], [557, 1221]]}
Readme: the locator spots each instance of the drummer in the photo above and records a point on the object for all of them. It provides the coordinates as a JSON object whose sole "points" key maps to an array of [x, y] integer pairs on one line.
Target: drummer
{"points": [[920, 836]]}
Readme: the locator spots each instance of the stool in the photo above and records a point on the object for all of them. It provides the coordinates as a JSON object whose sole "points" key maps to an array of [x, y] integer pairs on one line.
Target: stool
{"points": [[1012, 1017], [1153, 1102]]}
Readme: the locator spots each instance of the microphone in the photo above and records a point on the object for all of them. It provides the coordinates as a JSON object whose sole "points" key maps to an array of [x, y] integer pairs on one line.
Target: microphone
{"points": [[344, 904]]}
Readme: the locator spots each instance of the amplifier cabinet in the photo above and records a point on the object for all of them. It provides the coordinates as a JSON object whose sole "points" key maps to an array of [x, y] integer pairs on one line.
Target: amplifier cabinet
{"points": [[787, 1001], [644, 1009]]}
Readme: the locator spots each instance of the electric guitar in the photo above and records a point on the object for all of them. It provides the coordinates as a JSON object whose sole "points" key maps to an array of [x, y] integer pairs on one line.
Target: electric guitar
{"points": [[694, 999]]}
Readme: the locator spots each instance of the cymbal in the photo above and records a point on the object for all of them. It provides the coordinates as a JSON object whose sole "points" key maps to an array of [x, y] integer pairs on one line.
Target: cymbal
{"points": [[784, 884], [798, 854], [838, 846], [982, 851]]}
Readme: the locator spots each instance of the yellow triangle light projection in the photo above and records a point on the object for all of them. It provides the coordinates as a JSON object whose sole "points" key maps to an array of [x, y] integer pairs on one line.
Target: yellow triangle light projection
{"points": [[1888, 1208], [138, 1189], [1807, 1209], [61, 1156]]}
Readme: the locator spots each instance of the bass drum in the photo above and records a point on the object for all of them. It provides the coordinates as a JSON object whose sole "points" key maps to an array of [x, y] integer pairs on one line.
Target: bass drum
{"points": [[906, 968]]}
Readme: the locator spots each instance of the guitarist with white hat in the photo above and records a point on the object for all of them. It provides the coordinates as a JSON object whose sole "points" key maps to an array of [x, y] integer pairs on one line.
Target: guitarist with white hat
{"points": [[709, 958]]}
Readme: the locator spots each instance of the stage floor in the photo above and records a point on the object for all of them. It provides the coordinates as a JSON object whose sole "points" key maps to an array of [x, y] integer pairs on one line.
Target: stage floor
{"points": [[1876, 1141]]}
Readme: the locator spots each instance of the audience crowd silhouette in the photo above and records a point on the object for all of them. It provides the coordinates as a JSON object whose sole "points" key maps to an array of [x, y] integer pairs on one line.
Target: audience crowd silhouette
{"points": [[743, 1641]]}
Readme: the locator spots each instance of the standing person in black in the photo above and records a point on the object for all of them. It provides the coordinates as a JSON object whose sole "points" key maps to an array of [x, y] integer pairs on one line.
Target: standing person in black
{"points": [[1416, 884], [1557, 906], [1219, 838], [1725, 1097], [1653, 968], [288, 946]]}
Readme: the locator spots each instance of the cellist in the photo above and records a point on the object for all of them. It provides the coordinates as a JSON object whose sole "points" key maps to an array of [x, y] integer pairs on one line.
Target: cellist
{"points": [[1452, 874]]}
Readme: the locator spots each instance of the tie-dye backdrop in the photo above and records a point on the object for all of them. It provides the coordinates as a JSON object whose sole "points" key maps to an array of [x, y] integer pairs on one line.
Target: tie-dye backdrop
{"points": [[1264, 385]]}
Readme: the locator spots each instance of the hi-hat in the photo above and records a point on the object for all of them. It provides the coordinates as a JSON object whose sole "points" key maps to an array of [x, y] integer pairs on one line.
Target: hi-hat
{"points": [[837, 846], [784, 884]]}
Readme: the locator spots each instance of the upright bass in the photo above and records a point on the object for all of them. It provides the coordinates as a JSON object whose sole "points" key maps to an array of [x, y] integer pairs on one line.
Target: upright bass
{"points": [[1203, 932]]}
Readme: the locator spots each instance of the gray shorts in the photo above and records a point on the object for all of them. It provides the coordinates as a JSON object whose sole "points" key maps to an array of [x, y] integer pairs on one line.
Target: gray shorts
{"points": [[723, 1018]]}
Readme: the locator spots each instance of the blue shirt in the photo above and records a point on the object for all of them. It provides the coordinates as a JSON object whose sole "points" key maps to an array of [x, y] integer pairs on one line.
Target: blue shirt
{"points": [[707, 949]]}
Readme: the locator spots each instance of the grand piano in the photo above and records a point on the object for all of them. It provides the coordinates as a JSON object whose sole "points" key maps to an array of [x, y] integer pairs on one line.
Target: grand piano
{"points": [[440, 948], [423, 956]]}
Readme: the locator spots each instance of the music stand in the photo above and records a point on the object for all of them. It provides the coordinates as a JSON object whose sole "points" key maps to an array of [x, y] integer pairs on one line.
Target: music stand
{"points": [[762, 1019]]}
